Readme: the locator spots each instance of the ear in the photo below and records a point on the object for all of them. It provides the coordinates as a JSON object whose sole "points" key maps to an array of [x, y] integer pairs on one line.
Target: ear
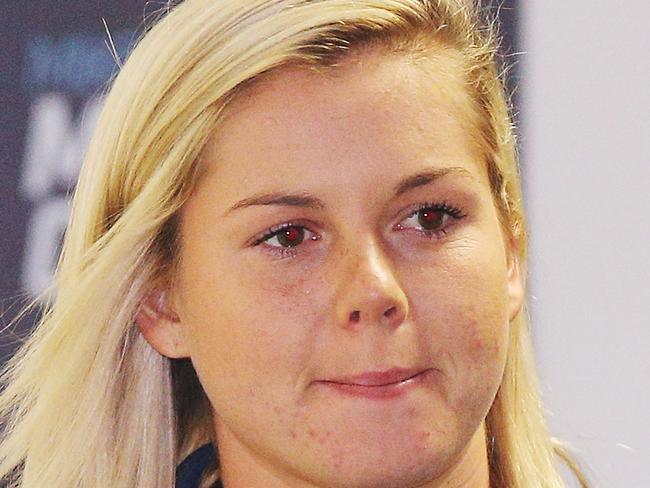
{"points": [[516, 289], [161, 326]]}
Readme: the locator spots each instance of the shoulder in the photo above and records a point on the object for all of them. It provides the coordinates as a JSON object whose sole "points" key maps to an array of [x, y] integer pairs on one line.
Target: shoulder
{"points": [[188, 473]]}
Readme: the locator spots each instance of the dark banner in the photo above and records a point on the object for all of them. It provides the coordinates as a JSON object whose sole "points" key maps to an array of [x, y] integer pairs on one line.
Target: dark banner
{"points": [[56, 59], [55, 62]]}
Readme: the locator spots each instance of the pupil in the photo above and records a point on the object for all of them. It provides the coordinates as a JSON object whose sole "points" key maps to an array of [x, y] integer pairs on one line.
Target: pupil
{"points": [[291, 236], [429, 219]]}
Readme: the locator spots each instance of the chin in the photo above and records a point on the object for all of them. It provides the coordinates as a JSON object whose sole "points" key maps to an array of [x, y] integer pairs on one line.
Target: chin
{"points": [[410, 457], [389, 463], [387, 474]]}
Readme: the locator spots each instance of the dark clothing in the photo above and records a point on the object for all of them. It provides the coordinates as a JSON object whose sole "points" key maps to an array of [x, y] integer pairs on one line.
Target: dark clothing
{"points": [[189, 472]]}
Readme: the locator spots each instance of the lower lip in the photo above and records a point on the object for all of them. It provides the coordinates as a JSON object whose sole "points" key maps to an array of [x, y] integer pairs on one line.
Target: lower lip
{"points": [[382, 392]]}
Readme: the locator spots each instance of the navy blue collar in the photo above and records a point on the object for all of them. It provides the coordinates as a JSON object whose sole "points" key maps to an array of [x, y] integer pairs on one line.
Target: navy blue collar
{"points": [[189, 472]]}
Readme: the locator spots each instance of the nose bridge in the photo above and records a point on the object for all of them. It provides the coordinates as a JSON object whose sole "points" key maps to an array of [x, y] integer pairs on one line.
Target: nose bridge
{"points": [[370, 292]]}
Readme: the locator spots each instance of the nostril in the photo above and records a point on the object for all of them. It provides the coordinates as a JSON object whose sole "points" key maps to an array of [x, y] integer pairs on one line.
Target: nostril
{"points": [[390, 311]]}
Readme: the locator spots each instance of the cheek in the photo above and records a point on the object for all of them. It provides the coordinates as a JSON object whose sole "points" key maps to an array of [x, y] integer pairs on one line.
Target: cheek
{"points": [[239, 324], [462, 299]]}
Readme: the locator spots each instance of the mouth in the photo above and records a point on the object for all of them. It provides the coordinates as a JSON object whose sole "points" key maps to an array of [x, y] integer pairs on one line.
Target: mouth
{"points": [[380, 385]]}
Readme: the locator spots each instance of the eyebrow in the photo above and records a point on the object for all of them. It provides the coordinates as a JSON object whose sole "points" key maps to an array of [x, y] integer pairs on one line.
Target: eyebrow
{"points": [[305, 200], [427, 177]]}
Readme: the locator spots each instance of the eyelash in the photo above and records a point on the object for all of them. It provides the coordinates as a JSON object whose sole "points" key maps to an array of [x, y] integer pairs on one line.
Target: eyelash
{"points": [[283, 252], [288, 252], [449, 210]]}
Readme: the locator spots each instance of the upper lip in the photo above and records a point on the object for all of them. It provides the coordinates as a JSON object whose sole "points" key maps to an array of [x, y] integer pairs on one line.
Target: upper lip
{"points": [[378, 378]]}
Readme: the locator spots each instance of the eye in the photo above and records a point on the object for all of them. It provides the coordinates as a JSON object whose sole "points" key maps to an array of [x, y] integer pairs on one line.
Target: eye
{"points": [[431, 219], [285, 237]]}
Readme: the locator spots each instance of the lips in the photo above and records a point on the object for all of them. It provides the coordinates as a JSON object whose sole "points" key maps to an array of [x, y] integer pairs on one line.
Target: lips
{"points": [[378, 378], [385, 384]]}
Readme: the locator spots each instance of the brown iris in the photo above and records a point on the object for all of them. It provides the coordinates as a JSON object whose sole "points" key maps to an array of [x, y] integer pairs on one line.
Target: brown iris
{"points": [[291, 236], [430, 219]]}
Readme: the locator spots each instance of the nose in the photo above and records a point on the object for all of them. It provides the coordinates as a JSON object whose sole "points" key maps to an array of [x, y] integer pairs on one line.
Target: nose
{"points": [[369, 292]]}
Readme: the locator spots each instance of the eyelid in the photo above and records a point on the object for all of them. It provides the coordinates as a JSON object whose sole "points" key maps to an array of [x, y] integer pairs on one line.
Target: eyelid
{"points": [[276, 229], [281, 252], [443, 205], [450, 211]]}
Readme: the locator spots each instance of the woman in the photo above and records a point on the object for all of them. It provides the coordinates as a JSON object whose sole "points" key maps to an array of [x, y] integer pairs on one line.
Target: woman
{"points": [[298, 236]]}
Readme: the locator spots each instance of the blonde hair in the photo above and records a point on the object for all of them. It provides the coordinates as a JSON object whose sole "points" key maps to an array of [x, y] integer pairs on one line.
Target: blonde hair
{"points": [[87, 401]]}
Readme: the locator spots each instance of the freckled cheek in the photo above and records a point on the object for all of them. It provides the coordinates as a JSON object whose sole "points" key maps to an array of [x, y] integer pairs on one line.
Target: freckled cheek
{"points": [[464, 311], [483, 318], [257, 322], [472, 357], [461, 318]]}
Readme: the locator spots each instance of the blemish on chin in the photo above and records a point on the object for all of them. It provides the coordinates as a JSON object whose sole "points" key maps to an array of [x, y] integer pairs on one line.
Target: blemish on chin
{"points": [[320, 438], [423, 436]]}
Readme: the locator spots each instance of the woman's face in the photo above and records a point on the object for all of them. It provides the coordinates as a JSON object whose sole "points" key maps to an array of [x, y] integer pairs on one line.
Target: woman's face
{"points": [[344, 288]]}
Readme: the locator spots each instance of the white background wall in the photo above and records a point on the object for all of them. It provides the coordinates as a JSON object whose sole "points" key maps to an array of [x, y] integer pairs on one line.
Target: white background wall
{"points": [[586, 164]]}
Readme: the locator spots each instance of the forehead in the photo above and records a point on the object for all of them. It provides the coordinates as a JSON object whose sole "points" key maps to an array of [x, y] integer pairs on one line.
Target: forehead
{"points": [[374, 109], [372, 72]]}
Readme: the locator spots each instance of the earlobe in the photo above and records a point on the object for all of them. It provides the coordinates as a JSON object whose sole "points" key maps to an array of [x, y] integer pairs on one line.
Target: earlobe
{"points": [[160, 325], [516, 289]]}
